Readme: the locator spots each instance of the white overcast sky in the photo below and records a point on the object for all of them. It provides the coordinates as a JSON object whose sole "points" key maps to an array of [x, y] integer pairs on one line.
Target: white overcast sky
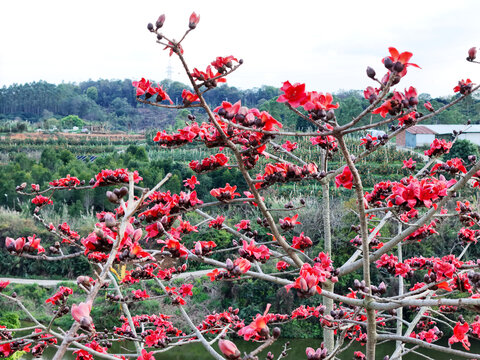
{"points": [[326, 44]]}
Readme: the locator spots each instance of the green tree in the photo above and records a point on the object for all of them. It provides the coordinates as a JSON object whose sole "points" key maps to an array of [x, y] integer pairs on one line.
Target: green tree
{"points": [[92, 93], [462, 149], [70, 121]]}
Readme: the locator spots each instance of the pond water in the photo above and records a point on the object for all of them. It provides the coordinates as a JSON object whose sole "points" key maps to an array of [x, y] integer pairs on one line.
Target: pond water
{"points": [[297, 346]]}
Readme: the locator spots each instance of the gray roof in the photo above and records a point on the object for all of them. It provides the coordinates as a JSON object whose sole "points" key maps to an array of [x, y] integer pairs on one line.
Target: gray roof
{"points": [[448, 129]]}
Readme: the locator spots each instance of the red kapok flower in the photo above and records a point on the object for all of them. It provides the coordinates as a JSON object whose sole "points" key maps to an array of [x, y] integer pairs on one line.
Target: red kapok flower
{"points": [[460, 335], [293, 94], [345, 179]]}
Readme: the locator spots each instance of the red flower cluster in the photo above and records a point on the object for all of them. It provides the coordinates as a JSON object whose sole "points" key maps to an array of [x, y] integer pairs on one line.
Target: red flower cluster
{"points": [[65, 229], [452, 166], [467, 235], [318, 105], [208, 164], [68, 181], [326, 142], [398, 103], [288, 223], [464, 87], [19, 245], [41, 200], [224, 194], [140, 294], [439, 147], [113, 177], [204, 247], [283, 172], [144, 87], [207, 77], [224, 63], [184, 136], [301, 242], [251, 252], [60, 296], [411, 192], [307, 283], [217, 223]]}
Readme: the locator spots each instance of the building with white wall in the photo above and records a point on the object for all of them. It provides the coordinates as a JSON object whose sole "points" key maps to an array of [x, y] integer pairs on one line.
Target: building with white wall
{"points": [[420, 135]]}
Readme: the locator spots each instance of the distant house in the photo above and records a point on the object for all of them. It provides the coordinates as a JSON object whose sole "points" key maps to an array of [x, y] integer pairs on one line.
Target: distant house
{"points": [[420, 135]]}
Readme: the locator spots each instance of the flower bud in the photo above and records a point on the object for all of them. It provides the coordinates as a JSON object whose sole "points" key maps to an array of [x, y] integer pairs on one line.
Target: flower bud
{"points": [[160, 21], [472, 54], [112, 197], [388, 63], [150, 27], [398, 67], [370, 73], [229, 349]]}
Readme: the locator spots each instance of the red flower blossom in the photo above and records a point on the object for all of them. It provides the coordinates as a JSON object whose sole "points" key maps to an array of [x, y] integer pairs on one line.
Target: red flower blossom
{"points": [[146, 355], [293, 94], [257, 329], [282, 266], [81, 314], [3, 285], [186, 290], [61, 295], [243, 225], [409, 164], [344, 179], [139, 294], [221, 63], [464, 86], [439, 147], [226, 193], [289, 146], [301, 242], [68, 181], [472, 54], [217, 223], [41, 200], [460, 335], [15, 245], [111, 177], [188, 97], [289, 223], [401, 58]]}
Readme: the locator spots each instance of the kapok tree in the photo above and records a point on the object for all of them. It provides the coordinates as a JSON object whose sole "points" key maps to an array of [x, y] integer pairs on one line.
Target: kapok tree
{"points": [[248, 140]]}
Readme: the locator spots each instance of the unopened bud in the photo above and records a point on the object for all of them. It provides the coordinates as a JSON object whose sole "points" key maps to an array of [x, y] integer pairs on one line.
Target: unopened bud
{"points": [[472, 54], [112, 197], [150, 27], [370, 73], [160, 21], [388, 63]]}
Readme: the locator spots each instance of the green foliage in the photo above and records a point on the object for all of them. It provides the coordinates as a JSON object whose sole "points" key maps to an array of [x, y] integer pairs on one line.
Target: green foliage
{"points": [[462, 149], [70, 121]]}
